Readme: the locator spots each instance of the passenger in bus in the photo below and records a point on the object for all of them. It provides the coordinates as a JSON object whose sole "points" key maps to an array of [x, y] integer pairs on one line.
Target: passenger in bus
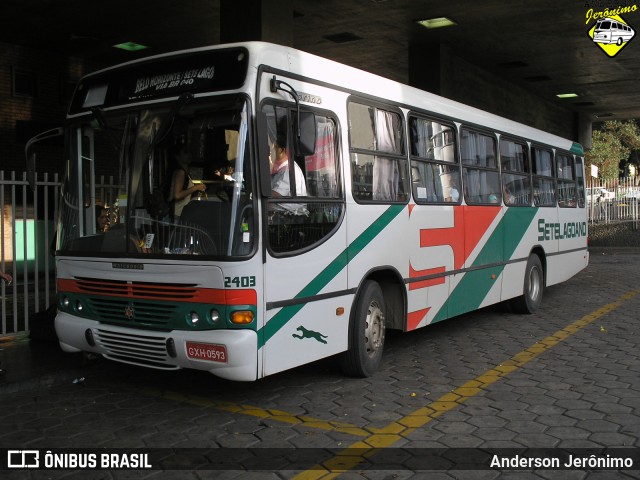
{"points": [[280, 179], [507, 196], [102, 219], [182, 187]]}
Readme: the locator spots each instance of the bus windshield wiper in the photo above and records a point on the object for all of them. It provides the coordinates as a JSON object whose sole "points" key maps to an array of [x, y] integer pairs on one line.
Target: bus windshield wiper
{"points": [[165, 128]]}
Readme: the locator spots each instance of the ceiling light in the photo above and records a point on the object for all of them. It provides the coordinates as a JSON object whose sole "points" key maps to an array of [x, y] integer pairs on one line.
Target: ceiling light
{"points": [[437, 22], [567, 95], [130, 46]]}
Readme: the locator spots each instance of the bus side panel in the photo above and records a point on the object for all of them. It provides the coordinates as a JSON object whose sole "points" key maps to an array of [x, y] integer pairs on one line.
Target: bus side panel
{"points": [[307, 328], [433, 248], [571, 231], [480, 257], [520, 238]]}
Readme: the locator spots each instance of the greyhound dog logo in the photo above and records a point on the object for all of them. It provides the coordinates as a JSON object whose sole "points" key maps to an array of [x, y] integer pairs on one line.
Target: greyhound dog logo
{"points": [[309, 334]]}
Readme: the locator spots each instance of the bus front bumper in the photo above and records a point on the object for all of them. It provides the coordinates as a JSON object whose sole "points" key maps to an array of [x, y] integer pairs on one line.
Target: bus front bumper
{"points": [[229, 354]]}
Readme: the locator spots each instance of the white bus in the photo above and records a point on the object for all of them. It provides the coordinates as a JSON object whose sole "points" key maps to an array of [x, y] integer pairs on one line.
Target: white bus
{"points": [[609, 30], [398, 209]]}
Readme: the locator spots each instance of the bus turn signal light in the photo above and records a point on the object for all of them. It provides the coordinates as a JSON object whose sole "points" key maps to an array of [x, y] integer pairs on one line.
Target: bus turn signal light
{"points": [[242, 317]]}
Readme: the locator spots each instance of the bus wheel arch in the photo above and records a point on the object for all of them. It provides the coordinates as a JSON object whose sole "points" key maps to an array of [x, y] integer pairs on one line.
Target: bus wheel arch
{"points": [[378, 305], [534, 282]]}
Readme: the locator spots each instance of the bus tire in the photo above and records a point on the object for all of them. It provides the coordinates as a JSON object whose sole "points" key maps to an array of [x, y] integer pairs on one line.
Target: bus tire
{"points": [[532, 289], [367, 332]]}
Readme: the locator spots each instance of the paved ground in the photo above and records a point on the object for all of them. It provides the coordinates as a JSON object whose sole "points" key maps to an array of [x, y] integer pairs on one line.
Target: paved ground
{"points": [[451, 395]]}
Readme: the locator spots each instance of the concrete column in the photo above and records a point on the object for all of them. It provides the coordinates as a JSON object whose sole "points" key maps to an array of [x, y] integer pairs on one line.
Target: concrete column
{"points": [[585, 130], [265, 20]]}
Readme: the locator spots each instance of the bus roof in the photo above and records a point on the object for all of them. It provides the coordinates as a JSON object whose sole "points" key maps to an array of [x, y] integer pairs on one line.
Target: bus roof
{"points": [[350, 79]]}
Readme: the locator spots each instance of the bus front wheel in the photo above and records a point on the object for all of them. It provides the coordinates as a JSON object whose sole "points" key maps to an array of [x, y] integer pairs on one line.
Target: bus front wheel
{"points": [[533, 287], [367, 332]]}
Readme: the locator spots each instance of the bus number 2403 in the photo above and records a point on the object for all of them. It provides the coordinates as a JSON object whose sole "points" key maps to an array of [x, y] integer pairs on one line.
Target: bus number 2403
{"points": [[238, 282]]}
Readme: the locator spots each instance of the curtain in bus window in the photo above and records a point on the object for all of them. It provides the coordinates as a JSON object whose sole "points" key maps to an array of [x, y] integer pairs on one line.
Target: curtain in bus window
{"points": [[580, 181], [542, 164], [481, 186], [512, 156], [386, 175], [420, 133], [321, 166], [428, 186], [566, 184]]}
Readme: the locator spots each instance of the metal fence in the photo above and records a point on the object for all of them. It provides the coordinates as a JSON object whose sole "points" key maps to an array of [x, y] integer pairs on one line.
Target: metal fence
{"points": [[27, 233], [613, 200]]}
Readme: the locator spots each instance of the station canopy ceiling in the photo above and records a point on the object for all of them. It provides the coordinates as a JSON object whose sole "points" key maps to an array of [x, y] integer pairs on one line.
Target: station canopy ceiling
{"points": [[543, 46]]}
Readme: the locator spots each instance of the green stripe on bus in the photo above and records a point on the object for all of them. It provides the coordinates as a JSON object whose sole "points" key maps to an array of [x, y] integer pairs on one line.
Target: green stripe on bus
{"points": [[475, 285], [314, 287], [577, 149]]}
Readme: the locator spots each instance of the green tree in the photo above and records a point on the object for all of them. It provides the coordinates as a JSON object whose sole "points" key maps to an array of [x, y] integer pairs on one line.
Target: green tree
{"points": [[615, 145]]}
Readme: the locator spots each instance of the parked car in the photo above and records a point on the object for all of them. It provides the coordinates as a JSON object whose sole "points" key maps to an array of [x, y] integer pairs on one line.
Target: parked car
{"points": [[633, 195], [600, 194]]}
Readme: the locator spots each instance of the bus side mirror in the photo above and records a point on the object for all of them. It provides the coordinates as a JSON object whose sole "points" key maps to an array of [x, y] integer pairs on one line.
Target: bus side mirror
{"points": [[31, 157], [264, 163], [306, 142]]}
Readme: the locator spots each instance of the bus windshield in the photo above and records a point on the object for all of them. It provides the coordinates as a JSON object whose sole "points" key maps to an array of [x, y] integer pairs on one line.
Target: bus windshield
{"points": [[162, 179]]}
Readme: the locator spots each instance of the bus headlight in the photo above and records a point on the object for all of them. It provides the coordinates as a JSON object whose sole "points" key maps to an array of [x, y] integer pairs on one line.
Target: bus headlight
{"points": [[242, 317], [194, 318], [78, 306], [66, 302], [214, 316]]}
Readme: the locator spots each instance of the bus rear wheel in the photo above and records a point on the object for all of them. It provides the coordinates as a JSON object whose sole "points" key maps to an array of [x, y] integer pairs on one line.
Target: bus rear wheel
{"points": [[367, 332], [533, 287]]}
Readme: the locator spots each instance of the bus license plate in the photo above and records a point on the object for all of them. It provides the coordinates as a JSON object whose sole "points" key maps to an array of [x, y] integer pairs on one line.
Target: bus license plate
{"points": [[207, 351]]}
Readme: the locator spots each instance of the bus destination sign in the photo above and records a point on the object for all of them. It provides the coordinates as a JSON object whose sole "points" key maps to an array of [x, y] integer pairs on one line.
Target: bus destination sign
{"points": [[205, 71], [173, 80]]}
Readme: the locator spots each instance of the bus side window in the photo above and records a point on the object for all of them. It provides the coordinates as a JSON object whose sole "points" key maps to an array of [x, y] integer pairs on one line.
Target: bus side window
{"points": [[514, 162], [379, 166], [580, 181], [544, 191], [566, 180], [296, 223], [480, 168], [435, 173]]}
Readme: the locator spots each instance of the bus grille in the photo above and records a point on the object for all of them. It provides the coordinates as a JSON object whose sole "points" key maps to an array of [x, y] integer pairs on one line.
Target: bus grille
{"points": [[140, 350], [133, 313]]}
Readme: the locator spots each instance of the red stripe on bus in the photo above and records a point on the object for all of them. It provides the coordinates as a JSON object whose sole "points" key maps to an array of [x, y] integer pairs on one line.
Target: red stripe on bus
{"points": [[413, 273], [160, 292], [414, 318], [469, 225]]}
